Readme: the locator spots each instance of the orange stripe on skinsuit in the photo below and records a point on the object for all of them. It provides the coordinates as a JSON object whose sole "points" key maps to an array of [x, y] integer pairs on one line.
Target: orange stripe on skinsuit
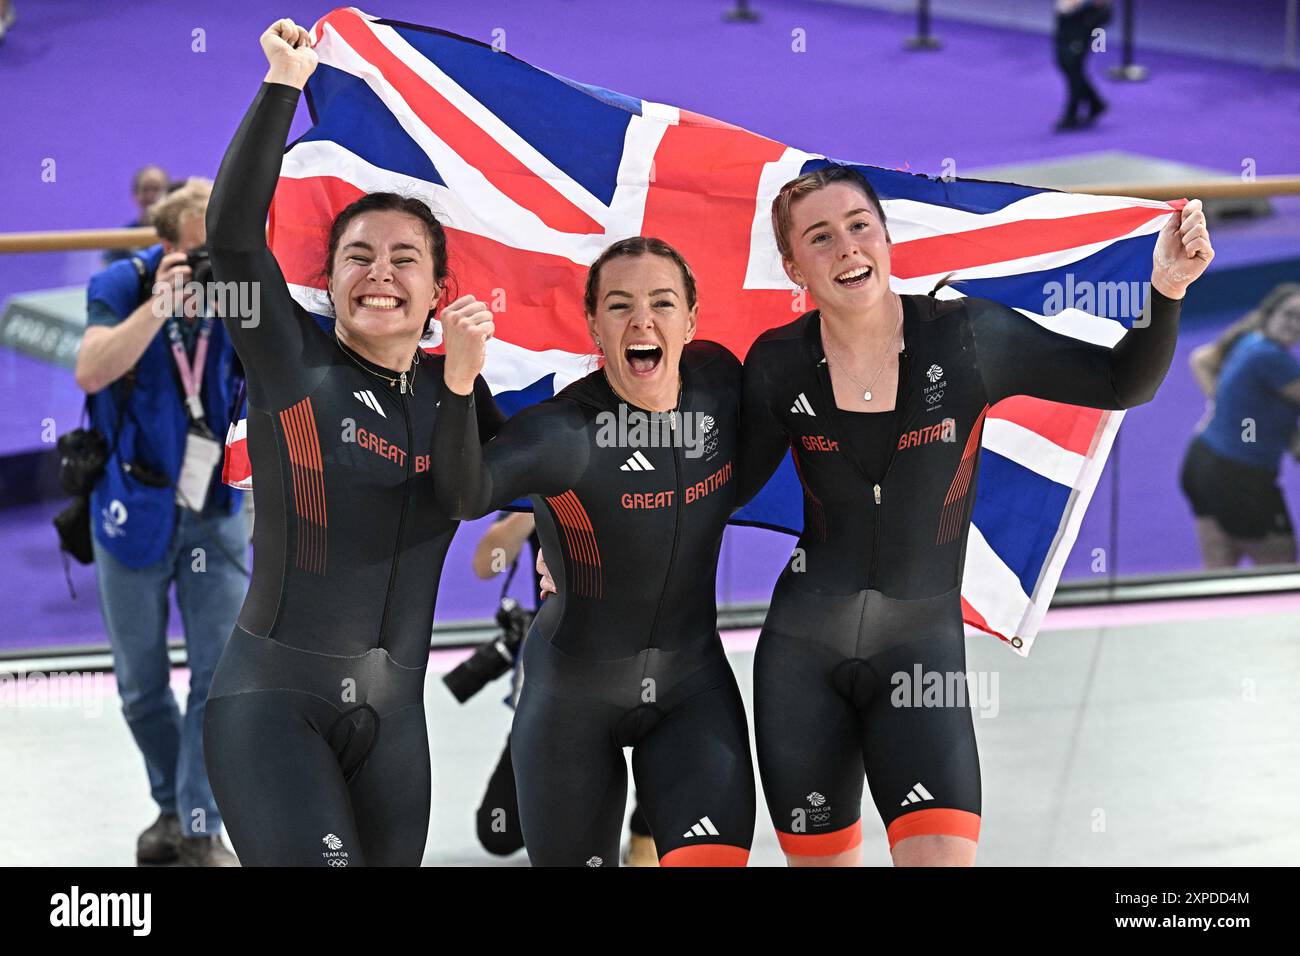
{"points": [[705, 854], [290, 439], [583, 556], [317, 473], [951, 518], [821, 844], [935, 821], [589, 532], [307, 473], [559, 505]]}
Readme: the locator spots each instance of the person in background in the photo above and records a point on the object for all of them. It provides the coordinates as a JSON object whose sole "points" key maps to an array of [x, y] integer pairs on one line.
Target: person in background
{"points": [[497, 551], [1075, 21], [162, 378], [1251, 377], [148, 185], [7, 17]]}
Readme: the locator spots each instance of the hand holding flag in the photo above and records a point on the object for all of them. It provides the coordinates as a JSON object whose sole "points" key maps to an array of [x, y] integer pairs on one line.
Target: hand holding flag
{"points": [[1182, 252], [288, 51]]}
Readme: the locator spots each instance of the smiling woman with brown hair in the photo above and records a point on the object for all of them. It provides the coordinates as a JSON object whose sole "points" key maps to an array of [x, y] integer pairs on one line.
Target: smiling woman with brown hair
{"points": [[627, 653], [315, 734], [881, 398]]}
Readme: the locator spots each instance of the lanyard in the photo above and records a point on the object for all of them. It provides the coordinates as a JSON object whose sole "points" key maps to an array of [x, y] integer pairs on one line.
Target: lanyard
{"points": [[191, 375]]}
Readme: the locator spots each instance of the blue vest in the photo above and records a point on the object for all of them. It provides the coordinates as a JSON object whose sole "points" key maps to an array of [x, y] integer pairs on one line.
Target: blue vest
{"points": [[1254, 372], [132, 521]]}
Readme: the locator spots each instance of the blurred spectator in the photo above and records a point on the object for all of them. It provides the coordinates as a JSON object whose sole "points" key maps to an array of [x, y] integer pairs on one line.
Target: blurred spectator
{"points": [[1229, 475], [7, 17], [164, 382], [1075, 21], [498, 550], [147, 186]]}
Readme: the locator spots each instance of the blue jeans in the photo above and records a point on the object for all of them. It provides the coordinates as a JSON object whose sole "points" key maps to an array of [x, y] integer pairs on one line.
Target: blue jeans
{"points": [[209, 592]]}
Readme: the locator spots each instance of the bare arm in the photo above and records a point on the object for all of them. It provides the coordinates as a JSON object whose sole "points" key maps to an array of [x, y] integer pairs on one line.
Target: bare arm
{"points": [[108, 352], [501, 544], [1205, 361]]}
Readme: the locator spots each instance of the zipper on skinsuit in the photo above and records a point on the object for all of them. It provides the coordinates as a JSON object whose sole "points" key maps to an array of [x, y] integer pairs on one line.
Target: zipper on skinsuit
{"points": [[901, 392], [401, 521], [904, 370], [677, 527]]}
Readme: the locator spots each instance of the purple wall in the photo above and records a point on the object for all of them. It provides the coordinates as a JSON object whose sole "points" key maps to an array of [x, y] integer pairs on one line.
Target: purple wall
{"points": [[103, 88], [1252, 32]]}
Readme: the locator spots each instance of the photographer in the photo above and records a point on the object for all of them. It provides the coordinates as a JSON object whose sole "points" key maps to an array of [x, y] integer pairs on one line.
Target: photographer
{"points": [[497, 817], [163, 382], [147, 186]]}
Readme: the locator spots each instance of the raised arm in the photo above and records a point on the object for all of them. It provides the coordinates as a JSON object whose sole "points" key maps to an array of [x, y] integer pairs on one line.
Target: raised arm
{"points": [[277, 334], [763, 444], [540, 451], [1018, 356]]}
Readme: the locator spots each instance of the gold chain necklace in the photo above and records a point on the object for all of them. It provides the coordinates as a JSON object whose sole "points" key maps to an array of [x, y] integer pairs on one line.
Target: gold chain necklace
{"points": [[866, 390], [672, 412], [400, 379]]}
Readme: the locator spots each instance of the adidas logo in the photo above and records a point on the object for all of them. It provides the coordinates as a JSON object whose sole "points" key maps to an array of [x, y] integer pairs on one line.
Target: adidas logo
{"points": [[704, 828], [917, 794], [367, 398], [801, 406], [638, 462]]}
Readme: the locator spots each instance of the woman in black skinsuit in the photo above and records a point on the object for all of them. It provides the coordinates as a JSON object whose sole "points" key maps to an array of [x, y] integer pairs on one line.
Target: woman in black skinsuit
{"points": [[627, 653], [882, 399], [315, 734]]}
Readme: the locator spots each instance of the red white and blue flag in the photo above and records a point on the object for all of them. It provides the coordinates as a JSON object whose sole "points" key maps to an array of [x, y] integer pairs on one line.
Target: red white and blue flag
{"points": [[533, 175]]}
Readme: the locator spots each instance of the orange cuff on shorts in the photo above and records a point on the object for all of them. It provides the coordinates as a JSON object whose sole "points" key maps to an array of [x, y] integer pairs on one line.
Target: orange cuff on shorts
{"points": [[937, 821], [821, 844], [706, 854]]}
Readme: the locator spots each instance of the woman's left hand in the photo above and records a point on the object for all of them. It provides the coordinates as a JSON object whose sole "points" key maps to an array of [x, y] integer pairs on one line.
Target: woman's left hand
{"points": [[1183, 251]]}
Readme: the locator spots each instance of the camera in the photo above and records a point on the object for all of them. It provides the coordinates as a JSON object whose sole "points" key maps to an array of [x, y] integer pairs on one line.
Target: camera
{"points": [[82, 456], [200, 262], [493, 658]]}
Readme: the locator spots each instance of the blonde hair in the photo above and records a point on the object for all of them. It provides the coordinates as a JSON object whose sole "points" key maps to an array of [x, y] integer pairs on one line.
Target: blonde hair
{"points": [[810, 183], [190, 199], [1255, 320]]}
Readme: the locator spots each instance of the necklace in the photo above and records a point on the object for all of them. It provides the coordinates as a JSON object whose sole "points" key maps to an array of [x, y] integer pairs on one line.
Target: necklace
{"points": [[672, 412], [405, 384], [866, 389]]}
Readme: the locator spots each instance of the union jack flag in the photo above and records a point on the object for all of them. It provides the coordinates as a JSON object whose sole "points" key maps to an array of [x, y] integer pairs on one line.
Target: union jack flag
{"points": [[533, 175]]}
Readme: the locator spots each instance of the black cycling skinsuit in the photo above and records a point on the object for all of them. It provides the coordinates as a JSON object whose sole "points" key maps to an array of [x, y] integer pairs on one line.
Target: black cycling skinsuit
{"points": [[627, 653], [315, 733], [871, 600]]}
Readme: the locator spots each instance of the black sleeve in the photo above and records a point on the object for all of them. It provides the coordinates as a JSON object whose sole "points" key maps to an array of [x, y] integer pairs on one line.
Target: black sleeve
{"points": [[763, 443], [278, 343], [540, 451], [1018, 356], [489, 415]]}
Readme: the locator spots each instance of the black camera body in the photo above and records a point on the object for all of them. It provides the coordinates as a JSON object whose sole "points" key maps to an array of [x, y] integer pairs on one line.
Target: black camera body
{"points": [[199, 260], [493, 658], [82, 456]]}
